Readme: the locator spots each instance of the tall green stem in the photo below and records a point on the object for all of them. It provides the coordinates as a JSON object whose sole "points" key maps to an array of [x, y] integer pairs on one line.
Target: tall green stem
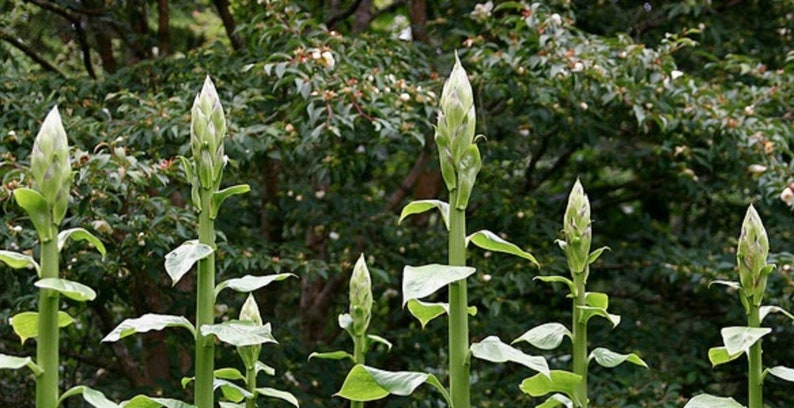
{"points": [[755, 375], [580, 338], [359, 357], [458, 310], [205, 307], [47, 346], [250, 381]]}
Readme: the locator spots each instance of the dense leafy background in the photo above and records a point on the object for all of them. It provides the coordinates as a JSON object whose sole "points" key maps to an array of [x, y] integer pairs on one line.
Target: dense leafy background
{"points": [[660, 110]]}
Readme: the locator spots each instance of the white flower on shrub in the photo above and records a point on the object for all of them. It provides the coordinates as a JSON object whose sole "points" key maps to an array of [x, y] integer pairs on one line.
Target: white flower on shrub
{"points": [[482, 11], [787, 195]]}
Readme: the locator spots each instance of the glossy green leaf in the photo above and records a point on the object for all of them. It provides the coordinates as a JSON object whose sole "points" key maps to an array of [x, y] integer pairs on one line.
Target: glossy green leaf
{"points": [[720, 355], [596, 254], [278, 394], [609, 359], [93, 397], [546, 336], [710, 401], [72, 290], [425, 312], [332, 355], [220, 196], [229, 373], [494, 350], [231, 391], [35, 206], [489, 241], [369, 384], [17, 261], [422, 281], [740, 339], [26, 324], [597, 299], [148, 322], [80, 234], [421, 206], [766, 310], [556, 279], [179, 261], [250, 283], [784, 373], [143, 401], [589, 311], [564, 382], [15, 363], [239, 333], [556, 400]]}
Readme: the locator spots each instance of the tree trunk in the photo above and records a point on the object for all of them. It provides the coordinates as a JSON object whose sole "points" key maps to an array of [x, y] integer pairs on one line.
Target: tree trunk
{"points": [[163, 32], [228, 23], [418, 15], [363, 16]]}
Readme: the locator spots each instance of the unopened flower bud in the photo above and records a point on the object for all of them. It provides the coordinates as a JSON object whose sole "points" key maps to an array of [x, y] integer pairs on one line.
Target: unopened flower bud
{"points": [[360, 297], [578, 233], [207, 131], [751, 254], [250, 311], [49, 164]]}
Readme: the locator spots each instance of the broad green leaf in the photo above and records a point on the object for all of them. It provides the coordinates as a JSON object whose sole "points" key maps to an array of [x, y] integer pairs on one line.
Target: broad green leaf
{"points": [[596, 254], [278, 394], [369, 384], [93, 397], [494, 350], [332, 355], [425, 312], [609, 359], [597, 299], [740, 339], [766, 310], [260, 367], [36, 206], [143, 401], [546, 336], [26, 324], [421, 206], [250, 283], [710, 401], [80, 234], [556, 400], [378, 339], [564, 382], [421, 281], [556, 279], [784, 373], [220, 196], [179, 261], [72, 290], [589, 311], [730, 284], [231, 391], [229, 374], [720, 355], [148, 322], [489, 241], [15, 363], [239, 333], [17, 261]]}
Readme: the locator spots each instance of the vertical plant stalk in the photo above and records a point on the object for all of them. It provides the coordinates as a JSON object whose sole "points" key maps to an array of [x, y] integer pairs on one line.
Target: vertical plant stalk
{"points": [[755, 381], [359, 357], [205, 307], [48, 335], [580, 362], [458, 313]]}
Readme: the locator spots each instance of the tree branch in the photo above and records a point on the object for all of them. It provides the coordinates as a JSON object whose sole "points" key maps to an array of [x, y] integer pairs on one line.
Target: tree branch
{"points": [[18, 44], [331, 22], [228, 23]]}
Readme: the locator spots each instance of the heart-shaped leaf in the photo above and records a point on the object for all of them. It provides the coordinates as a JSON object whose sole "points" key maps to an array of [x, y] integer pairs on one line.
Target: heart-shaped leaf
{"points": [[17, 261], [784, 373], [710, 401], [720, 355], [36, 206], [564, 382], [179, 261], [546, 336], [278, 394], [369, 384], [229, 374], [422, 281], [249, 283], [15, 363], [740, 339], [72, 290], [239, 333], [80, 234], [421, 206], [494, 350], [609, 359], [26, 324], [489, 241], [231, 391], [425, 312], [597, 299], [146, 323]]}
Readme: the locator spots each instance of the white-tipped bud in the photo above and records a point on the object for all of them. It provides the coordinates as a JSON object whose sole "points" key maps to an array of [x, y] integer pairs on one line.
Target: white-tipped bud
{"points": [[49, 164], [360, 297], [577, 229], [207, 132], [751, 253], [250, 311]]}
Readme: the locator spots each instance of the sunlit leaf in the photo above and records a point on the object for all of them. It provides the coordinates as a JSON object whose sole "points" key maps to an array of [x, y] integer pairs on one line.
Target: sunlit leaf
{"points": [[421, 206], [332, 355], [609, 359], [80, 234], [148, 322], [564, 382], [17, 261], [250, 283], [425, 312], [26, 324], [489, 241], [720, 355], [72, 290], [766, 310], [740, 339], [422, 281], [546, 336], [494, 350], [220, 196], [239, 333], [15, 363], [369, 384], [35, 206], [556, 279], [588, 312], [179, 261], [229, 373], [556, 400], [784, 373], [278, 394], [710, 401]]}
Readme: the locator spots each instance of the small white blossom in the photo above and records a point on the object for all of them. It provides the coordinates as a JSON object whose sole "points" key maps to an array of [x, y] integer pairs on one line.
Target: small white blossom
{"points": [[577, 67], [333, 235], [482, 11], [405, 97], [749, 110], [756, 168], [556, 19], [787, 196], [328, 59], [676, 74], [584, 105]]}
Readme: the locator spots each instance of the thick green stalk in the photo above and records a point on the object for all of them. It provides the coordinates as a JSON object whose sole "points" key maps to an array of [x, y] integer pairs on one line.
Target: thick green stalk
{"points": [[47, 345], [458, 310], [359, 357], [250, 381], [580, 337], [755, 374], [205, 307]]}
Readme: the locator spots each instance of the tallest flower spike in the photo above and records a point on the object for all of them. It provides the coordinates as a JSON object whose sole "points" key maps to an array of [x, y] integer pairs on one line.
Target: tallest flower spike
{"points": [[49, 165], [751, 255], [207, 131]]}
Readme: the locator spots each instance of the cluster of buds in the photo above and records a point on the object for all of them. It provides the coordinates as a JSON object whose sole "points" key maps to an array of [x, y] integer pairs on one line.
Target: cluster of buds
{"points": [[250, 313], [360, 298], [751, 254], [207, 132], [49, 165], [577, 230], [458, 152]]}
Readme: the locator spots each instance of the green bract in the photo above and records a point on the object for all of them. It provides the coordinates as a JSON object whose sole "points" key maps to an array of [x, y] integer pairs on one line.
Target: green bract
{"points": [[751, 254], [360, 297], [207, 131], [578, 233], [49, 165]]}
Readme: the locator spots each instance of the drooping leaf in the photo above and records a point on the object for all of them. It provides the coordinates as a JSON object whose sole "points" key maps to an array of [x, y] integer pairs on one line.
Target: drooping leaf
{"points": [[494, 350], [421, 206], [36, 206], [740, 338], [421, 281], [710, 401], [369, 384], [609, 359], [93, 397], [546, 336], [425, 312], [262, 367], [556, 279], [720, 355], [589, 311], [278, 394], [596, 254], [489, 241], [239, 333], [179, 261], [250, 283], [766, 310], [80, 234], [17, 261], [231, 391], [378, 339], [148, 322], [564, 382], [784, 373], [15, 363], [556, 400], [332, 355], [72, 290], [730, 284], [26, 324], [219, 197]]}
